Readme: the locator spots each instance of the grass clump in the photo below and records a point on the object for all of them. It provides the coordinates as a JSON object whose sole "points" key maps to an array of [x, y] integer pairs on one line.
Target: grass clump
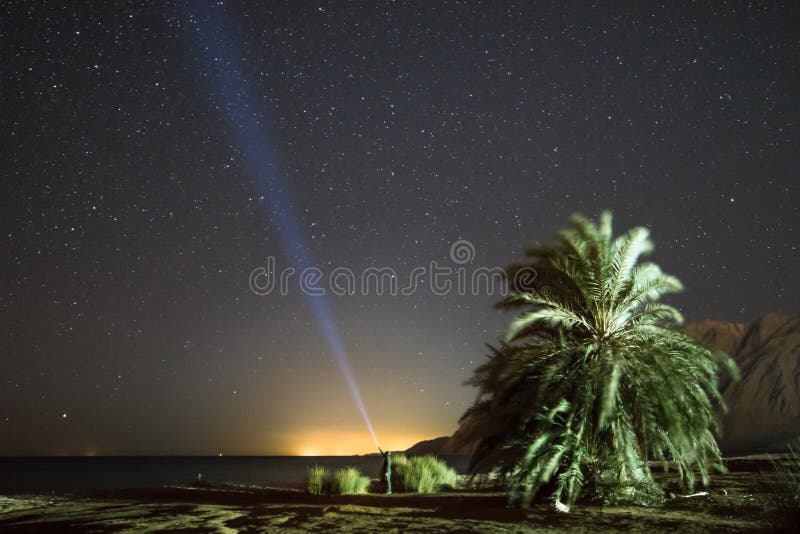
{"points": [[318, 480], [349, 481], [343, 481], [422, 474]]}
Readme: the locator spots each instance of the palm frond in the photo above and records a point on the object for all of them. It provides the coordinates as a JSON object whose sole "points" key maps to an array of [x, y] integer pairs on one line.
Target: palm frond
{"points": [[593, 378]]}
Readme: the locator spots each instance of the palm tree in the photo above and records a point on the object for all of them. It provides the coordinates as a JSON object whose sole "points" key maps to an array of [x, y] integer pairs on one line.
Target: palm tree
{"points": [[594, 378]]}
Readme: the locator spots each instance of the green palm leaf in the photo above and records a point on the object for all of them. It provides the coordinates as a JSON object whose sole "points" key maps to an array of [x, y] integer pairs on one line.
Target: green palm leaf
{"points": [[594, 378]]}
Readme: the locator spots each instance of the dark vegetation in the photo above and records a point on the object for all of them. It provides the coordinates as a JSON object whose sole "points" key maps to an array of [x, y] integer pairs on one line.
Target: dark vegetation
{"points": [[594, 377]]}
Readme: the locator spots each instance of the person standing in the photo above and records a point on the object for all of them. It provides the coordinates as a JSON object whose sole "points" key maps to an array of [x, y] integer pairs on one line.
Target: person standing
{"points": [[387, 469]]}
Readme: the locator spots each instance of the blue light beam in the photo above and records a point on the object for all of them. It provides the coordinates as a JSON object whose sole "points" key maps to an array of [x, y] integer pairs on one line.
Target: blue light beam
{"points": [[221, 67]]}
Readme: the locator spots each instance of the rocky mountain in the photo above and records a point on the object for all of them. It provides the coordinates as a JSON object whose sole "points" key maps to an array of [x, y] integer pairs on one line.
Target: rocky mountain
{"points": [[461, 442], [763, 406]]}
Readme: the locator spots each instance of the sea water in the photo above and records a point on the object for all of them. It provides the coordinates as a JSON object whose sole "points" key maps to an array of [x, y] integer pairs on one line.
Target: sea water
{"points": [[78, 474]]}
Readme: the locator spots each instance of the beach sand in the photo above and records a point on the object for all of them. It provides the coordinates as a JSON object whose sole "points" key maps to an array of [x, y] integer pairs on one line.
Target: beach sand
{"points": [[742, 500]]}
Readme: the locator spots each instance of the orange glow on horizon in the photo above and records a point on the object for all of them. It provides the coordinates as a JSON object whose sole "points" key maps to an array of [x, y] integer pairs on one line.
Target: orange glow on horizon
{"points": [[344, 443]]}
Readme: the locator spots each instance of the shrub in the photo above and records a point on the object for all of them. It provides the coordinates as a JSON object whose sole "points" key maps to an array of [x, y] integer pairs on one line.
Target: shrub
{"points": [[422, 474], [349, 481], [426, 483], [443, 475], [318, 480], [399, 461]]}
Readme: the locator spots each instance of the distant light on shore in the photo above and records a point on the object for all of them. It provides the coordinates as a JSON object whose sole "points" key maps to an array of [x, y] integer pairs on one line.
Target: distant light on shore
{"points": [[335, 443]]}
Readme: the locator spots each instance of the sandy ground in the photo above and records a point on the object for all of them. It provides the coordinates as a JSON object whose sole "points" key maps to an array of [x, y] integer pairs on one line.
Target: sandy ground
{"points": [[744, 500]]}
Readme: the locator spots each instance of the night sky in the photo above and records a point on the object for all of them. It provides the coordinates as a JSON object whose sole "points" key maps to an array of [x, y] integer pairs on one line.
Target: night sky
{"points": [[155, 154]]}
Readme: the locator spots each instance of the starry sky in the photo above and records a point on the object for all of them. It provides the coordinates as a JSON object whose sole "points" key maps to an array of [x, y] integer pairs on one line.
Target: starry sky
{"points": [[134, 210]]}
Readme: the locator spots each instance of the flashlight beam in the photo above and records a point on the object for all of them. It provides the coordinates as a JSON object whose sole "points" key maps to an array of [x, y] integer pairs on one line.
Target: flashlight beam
{"points": [[220, 64]]}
